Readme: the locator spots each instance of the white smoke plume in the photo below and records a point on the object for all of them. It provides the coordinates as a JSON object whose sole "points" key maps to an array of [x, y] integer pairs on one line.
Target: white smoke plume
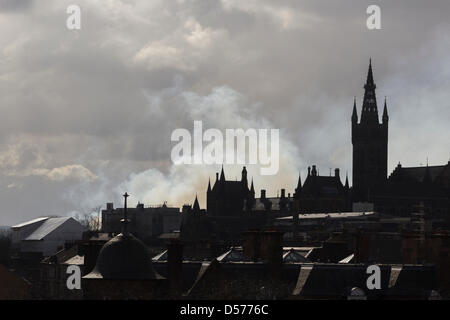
{"points": [[222, 108]]}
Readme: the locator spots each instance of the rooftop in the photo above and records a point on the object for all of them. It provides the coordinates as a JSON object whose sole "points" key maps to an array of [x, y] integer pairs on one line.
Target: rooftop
{"points": [[23, 224], [46, 228], [334, 215]]}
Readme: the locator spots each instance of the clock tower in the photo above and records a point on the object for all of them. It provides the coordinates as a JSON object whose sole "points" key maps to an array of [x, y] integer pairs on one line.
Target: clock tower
{"points": [[370, 145]]}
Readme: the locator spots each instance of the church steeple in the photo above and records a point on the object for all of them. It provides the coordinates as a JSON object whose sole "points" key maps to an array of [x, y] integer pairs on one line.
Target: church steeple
{"points": [[209, 185], [347, 186], [369, 112], [196, 206], [222, 175], [369, 81], [298, 190], [385, 112], [299, 183], [354, 113]]}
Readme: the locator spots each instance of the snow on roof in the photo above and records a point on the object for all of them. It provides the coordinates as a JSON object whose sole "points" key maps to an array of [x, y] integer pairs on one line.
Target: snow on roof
{"points": [[233, 255], [348, 259], [293, 256], [161, 256], [23, 224], [75, 260], [329, 215], [47, 227]]}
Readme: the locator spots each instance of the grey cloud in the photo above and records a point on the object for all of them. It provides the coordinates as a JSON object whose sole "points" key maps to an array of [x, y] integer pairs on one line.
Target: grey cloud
{"points": [[88, 98]]}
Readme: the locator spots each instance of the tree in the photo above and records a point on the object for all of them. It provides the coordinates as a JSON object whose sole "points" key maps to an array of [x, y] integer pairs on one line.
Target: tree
{"points": [[90, 219]]}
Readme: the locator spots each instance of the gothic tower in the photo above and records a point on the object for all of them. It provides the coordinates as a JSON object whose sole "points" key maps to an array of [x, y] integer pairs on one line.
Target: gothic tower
{"points": [[370, 145]]}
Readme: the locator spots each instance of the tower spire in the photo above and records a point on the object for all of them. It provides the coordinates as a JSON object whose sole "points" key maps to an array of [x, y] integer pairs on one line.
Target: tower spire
{"points": [[385, 112], [196, 206], [354, 113], [346, 181], [209, 185], [222, 175], [369, 111], [298, 190], [369, 80]]}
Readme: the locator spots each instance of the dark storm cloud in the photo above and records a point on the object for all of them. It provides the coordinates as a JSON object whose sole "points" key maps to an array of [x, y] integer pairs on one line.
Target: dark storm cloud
{"points": [[85, 114]]}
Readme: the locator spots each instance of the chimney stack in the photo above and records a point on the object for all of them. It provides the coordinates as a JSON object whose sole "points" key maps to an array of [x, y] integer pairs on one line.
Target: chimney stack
{"points": [[283, 193], [266, 245], [263, 194], [271, 250], [251, 245], [175, 267], [336, 172], [314, 171]]}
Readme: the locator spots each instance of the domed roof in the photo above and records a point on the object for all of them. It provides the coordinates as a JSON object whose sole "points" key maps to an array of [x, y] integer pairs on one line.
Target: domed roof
{"points": [[124, 257]]}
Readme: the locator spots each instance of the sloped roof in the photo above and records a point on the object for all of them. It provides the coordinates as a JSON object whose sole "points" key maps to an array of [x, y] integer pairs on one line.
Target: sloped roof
{"points": [[303, 276], [417, 173], [330, 251], [233, 255], [46, 228], [230, 187], [23, 224], [411, 182], [331, 215], [61, 256], [412, 279], [292, 256], [393, 277], [348, 259], [326, 280], [160, 256], [322, 185], [75, 260]]}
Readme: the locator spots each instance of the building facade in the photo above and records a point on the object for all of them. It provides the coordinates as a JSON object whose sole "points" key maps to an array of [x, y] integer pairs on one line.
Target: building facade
{"points": [[146, 222]]}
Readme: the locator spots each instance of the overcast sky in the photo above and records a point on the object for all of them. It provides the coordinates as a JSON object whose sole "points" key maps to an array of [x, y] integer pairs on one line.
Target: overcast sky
{"points": [[87, 114]]}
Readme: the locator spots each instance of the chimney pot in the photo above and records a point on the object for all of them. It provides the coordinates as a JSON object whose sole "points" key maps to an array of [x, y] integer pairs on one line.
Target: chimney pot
{"points": [[336, 172], [314, 170], [263, 194]]}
